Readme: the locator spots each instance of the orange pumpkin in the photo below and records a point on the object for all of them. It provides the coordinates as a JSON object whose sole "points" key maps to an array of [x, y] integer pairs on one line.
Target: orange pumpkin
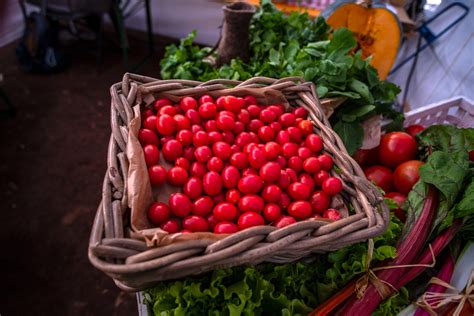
{"points": [[377, 30]]}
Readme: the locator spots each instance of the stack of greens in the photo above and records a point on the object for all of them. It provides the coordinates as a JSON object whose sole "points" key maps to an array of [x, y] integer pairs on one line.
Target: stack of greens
{"points": [[295, 45]]}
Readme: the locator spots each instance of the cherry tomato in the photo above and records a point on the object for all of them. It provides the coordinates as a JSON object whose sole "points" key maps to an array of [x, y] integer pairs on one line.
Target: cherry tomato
{"points": [[277, 109], [311, 165], [239, 127], [284, 201], [200, 138], [228, 137], [188, 154], [203, 206], [172, 150], [168, 110], [159, 103], [158, 212], [232, 196], [381, 176], [292, 174], [284, 180], [276, 127], [308, 180], [332, 214], [233, 104], [300, 112], [196, 128], [195, 223], [250, 184], [271, 212], [185, 137], [171, 226], [272, 150], [299, 191], [254, 125], [267, 116], [193, 117], [177, 176], [289, 150], [180, 205], [218, 198], [320, 176], [230, 177], [183, 163], [165, 139], [197, 169], [271, 193], [319, 201], [304, 153], [256, 158], [287, 119], [225, 228], [203, 153], [270, 172], [225, 122], [398, 198], [147, 113], [208, 110], [314, 143], [250, 99], [225, 211], [239, 160], [165, 125], [188, 103], [147, 136], [215, 164], [395, 148], [251, 203], [266, 133], [254, 111], [222, 150], [283, 137], [193, 188], [152, 155], [295, 163], [210, 126], [414, 129], [157, 175], [248, 171], [295, 134], [205, 98], [332, 186], [306, 127], [212, 183], [284, 221], [281, 161], [212, 221], [250, 219], [214, 137], [326, 162], [182, 122], [150, 123], [406, 175], [300, 209]]}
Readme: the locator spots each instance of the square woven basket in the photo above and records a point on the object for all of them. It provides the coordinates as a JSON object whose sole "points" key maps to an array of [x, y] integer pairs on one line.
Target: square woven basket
{"points": [[135, 266]]}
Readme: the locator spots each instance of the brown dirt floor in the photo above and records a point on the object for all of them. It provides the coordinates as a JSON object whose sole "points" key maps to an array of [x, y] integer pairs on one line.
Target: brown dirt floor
{"points": [[53, 158]]}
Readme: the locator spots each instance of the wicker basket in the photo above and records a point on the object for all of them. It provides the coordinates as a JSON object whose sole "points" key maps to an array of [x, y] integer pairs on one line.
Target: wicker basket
{"points": [[134, 266]]}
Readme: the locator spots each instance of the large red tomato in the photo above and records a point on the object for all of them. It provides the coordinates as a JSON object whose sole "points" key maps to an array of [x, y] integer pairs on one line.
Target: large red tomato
{"points": [[406, 175], [396, 148], [381, 176]]}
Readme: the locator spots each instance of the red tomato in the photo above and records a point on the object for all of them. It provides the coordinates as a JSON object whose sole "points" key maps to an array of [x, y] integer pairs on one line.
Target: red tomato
{"points": [[306, 127], [361, 156], [254, 111], [243, 116], [300, 209], [381, 176], [326, 162], [225, 211], [159, 103], [182, 122], [197, 169], [271, 212], [320, 176], [208, 110], [239, 160], [267, 116], [214, 137], [203, 153], [212, 183], [158, 212], [287, 119], [284, 180], [308, 180], [300, 112], [299, 191], [232, 196], [406, 175], [319, 201], [250, 184], [233, 104], [289, 150], [215, 164], [414, 129], [200, 138], [230, 177], [168, 110], [251, 203], [203, 206], [212, 221], [311, 165], [185, 137], [283, 137], [332, 186], [270, 172], [183, 163], [188, 103], [304, 153], [285, 201], [193, 188], [152, 155], [271, 193], [395, 148], [193, 116], [399, 199], [250, 99], [256, 158], [171, 226], [314, 143], [225, 228], [205, 98], [222, 150], [195, 224], [250, 219], [177, 176], [165, 125], [147, 136], [172, 150], [225, 122], [295, 163], [332, 214], [284, 221], [180, 205], [295, 134], [266, 134], [150, 122], [157, 175]]}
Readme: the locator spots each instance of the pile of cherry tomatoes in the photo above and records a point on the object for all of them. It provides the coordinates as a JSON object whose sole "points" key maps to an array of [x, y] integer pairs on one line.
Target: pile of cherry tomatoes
{"points": [[392, 165], [236, 164]]}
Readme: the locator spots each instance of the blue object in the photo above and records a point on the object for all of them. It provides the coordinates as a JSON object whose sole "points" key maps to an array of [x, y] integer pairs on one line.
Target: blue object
{"points": [[428, 35]]}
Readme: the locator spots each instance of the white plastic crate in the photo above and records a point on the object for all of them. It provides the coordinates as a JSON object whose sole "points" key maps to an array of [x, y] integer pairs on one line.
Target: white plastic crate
{"points": [[457, 111]]}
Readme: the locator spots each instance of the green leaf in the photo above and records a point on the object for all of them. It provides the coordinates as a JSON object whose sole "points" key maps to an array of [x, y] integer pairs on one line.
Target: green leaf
{"points": [[274, 57], [465, 207], [351, 135], [358, 112], [291, 50], [362, 89], [342, 42], [321, 91], [310, 73], [447, 138]]}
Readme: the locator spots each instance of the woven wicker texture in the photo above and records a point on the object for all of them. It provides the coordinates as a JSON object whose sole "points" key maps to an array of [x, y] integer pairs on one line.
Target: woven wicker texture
{"points": [[133, 266]]}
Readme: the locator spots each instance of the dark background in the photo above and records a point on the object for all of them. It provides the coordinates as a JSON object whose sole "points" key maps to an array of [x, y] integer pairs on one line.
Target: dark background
{"points": [[53, 159]]}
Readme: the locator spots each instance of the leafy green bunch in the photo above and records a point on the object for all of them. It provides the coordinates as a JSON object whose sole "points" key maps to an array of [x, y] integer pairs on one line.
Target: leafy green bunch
{"points": [[295, 45]]}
